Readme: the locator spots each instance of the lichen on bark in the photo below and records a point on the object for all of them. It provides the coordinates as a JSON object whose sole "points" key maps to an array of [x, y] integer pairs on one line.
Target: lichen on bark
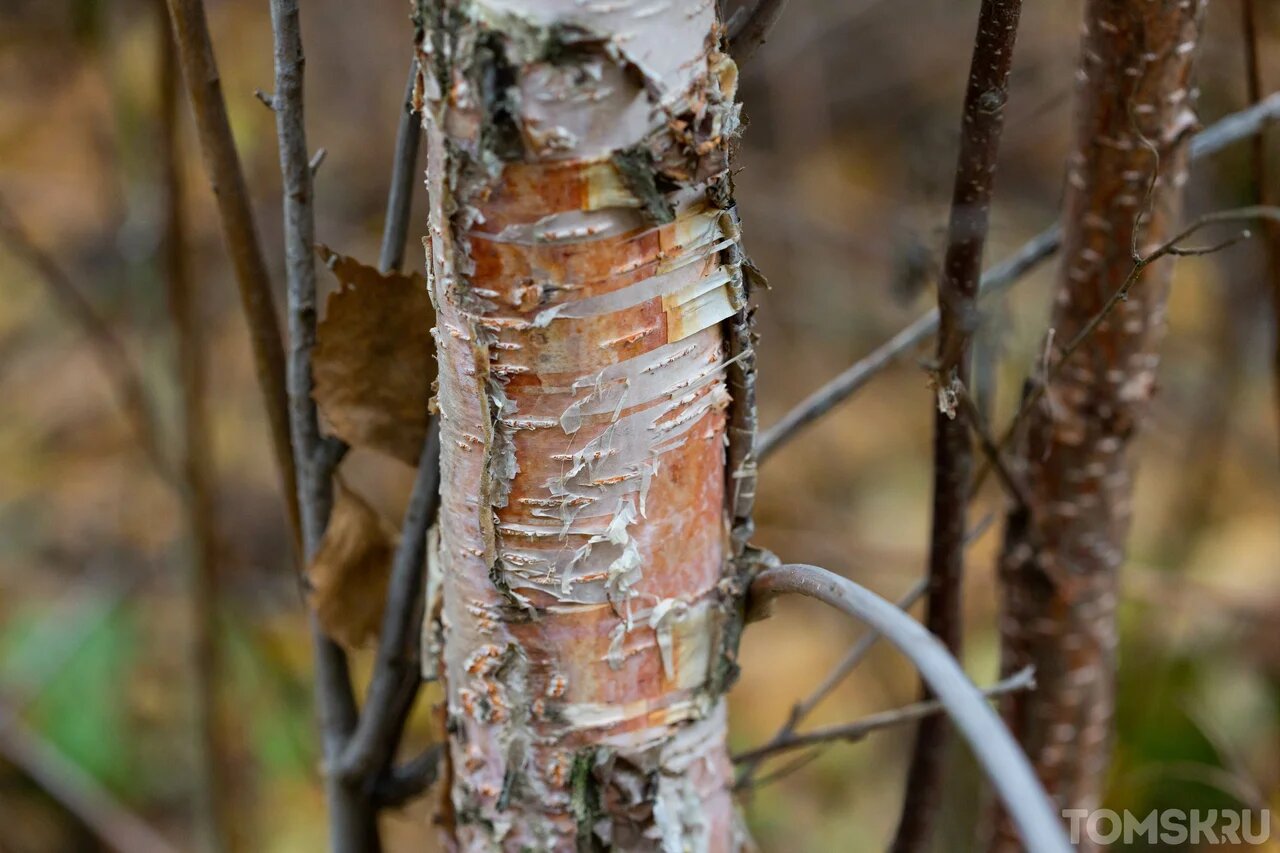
{"points": [[583, 260]]}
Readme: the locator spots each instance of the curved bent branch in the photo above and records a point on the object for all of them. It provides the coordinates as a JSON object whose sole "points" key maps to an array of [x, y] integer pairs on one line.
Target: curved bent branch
{"points": [[1005, 764]]}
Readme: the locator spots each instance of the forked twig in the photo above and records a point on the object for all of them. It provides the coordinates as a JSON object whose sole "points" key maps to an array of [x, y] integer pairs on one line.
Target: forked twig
{"points": [[1171, 247], [1001, 277]]}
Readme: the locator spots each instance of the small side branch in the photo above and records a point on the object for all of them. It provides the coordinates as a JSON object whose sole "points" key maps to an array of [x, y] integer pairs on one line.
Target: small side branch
{"points": [[222, 163], [958, 288], [1001, 759], [859, 729], [859, 650], [999, 278], [111, 352], [750, 32], [1172, 247], [395, 230], [396, 666], [409, 780]]}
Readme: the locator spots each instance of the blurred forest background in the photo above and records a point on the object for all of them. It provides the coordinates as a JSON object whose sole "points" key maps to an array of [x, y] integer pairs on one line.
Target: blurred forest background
{"points": [[845, 177]]}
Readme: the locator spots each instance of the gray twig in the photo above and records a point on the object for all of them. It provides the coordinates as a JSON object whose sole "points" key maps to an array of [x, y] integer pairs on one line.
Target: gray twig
{"points": [[395, 230], [1022, 680], [395, 669], [112, 355], [352, 820], [747, 33], [999, 278], [1001, 758]]}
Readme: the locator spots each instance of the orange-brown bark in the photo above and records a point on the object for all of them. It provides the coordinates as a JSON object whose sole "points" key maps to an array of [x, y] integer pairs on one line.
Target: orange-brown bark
{"points": [[582, 269], [1062, 552]]}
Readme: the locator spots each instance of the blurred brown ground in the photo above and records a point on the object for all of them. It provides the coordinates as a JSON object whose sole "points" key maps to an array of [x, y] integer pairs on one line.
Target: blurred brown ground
{"points": [[845, 175]]}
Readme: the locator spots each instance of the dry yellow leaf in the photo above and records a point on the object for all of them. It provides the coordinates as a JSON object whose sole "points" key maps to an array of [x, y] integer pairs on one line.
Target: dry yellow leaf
{"points": [[347, 578], [373, 364]]}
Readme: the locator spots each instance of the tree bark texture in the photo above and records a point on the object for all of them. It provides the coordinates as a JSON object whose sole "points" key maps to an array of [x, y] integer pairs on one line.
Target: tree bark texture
{"points": [[583, 257], [1061, 555]]}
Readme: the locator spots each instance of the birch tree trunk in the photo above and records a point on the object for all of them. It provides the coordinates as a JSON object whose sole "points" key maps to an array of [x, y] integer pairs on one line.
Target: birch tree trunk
{"points": [[583, 259], [1134, 118]]}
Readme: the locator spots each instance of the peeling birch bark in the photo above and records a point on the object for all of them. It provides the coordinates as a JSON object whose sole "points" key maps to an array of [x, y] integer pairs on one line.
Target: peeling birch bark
{"points": [[1061, 554], [583, 259]]}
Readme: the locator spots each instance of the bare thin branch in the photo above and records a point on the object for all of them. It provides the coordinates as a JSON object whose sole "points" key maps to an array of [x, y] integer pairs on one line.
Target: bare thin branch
{"points": [[395, 230], [409, 780], [1249, 122], [396, 666], [1004, 763], [1264, 190], [996, 280], [795, 764], [222, 164], [1013, 485], [76, 790], [352, 819], [982, 125], [1227, 131], [213, 787], [857, 730], [838, 674], [848, 664], [112, 355], [748, 33], [1063, 356]]}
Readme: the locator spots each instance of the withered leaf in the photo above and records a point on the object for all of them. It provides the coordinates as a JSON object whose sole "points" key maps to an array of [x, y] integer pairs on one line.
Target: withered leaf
{"points": [[373, 363], [347, 578]]}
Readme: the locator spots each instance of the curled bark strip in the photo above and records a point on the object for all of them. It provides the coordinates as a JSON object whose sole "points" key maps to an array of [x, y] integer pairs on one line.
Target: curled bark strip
{"points": [[583, 259], [1062, 552], [1003, 762]]}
